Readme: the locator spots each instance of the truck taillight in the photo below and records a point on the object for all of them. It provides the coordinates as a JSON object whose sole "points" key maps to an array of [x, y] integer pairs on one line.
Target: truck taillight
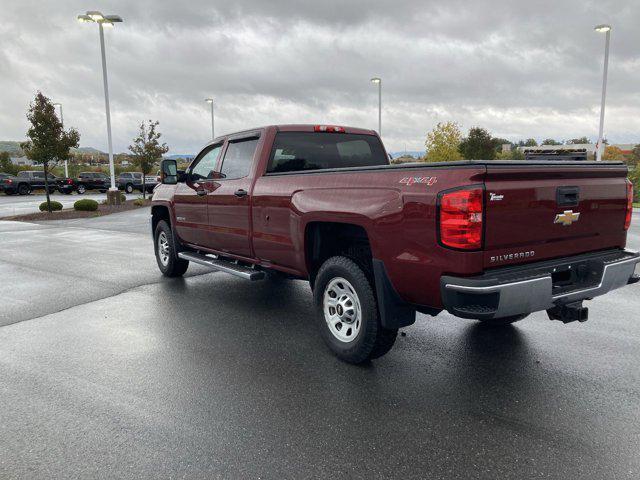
{"points": [[460, 213], [328, 128], [70, 181], [627, 220]]}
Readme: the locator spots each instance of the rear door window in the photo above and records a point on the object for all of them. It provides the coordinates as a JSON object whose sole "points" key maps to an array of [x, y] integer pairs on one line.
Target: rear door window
{"points": [[298, 151], [238, 158]]}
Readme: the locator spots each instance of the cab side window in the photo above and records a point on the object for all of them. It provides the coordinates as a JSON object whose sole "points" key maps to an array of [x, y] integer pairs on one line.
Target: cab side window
{"points": [[238, 158], [206, 166]]}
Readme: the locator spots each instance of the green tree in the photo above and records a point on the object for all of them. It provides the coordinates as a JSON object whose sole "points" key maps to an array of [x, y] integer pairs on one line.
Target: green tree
{"points": [[442, 143], [146, 149], [576, 141], [5, 164], [551, 141], [514, 154], [478, 145], [529, 142], [48, 142]]}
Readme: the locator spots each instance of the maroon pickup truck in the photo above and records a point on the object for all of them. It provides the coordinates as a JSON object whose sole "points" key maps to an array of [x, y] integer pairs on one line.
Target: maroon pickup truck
{"points": [[486, 240]]}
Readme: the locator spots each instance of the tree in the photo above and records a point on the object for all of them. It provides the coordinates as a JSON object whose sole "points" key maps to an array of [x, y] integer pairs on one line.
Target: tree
{"points": [[478, 145], [48, 142], [577, 141], [146, 149], [551, 141], [442, 143], [613, 153], [5, 164], [529, 142], [635, 156], [514, 154]]}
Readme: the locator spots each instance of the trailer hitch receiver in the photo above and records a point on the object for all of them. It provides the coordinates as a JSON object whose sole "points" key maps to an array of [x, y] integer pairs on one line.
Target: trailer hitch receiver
{"points": [[569, 312]]}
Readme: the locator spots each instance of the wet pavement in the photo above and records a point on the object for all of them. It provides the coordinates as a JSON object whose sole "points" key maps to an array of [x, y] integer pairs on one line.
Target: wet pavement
{"points": [[108, 370]]}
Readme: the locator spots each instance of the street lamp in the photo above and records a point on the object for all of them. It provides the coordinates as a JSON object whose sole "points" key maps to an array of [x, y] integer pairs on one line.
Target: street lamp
{"points": [[378, 81], [213, 130], [606, 29], [104, 21], [66, 167]]}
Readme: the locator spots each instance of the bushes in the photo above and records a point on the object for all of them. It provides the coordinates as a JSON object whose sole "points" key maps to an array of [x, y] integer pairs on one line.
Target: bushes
{"points": [[55, 206], [139, 202], [86, 205]]}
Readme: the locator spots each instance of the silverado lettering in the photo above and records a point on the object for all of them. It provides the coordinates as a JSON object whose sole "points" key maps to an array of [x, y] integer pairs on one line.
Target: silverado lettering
{"points": [[321, 203]]}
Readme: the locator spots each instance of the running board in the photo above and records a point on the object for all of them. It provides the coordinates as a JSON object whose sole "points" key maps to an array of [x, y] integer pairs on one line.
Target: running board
{"points": [[226, 266]]}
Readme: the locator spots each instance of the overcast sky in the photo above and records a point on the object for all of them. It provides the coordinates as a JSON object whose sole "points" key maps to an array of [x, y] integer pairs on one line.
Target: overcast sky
{"points": [[518, 68]]}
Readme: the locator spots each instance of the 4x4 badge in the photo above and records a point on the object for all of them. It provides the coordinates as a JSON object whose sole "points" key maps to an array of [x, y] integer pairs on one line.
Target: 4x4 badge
{"points": [[567, 218]]}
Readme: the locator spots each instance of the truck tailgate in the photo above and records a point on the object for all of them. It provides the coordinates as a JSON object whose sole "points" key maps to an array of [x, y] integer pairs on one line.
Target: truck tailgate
{"points": [[542, 211]]}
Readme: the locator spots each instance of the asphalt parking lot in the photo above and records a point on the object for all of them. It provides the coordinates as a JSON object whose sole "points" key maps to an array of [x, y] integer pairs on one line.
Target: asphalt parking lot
{"points": [[11, 205], [108, 370]]}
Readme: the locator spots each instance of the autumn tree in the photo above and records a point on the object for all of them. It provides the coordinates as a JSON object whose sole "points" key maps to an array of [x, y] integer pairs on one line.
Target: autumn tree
{"points": [[442, 143], [48, 141], [478, 145], [146, 150], [613, 153]]}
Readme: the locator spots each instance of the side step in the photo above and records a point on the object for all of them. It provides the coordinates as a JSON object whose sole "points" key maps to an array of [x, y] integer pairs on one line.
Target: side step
{"points": [[226, 266]]}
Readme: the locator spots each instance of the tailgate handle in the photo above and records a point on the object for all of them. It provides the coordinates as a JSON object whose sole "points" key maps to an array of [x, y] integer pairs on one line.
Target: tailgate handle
{"points": [[568, 196]]}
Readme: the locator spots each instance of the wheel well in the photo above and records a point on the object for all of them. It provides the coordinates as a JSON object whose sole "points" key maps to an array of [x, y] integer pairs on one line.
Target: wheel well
{"points": [[159, 212], [327, 239]]}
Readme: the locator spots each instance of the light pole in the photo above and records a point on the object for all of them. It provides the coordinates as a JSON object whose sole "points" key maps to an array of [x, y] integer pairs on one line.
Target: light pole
{"points": [[378, 81], [104, 21], [606, 29], [66, 167], [213, 130]]}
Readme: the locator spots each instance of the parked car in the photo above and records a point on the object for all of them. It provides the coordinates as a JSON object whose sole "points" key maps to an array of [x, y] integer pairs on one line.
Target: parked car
{"points": [[487, 240], [7, 183], [130, 181], [92, 181]]}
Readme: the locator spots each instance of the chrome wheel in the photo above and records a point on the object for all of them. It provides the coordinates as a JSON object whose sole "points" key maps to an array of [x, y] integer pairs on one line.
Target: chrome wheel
{"points": [[163, 249], [342, 310], [81, 189]]}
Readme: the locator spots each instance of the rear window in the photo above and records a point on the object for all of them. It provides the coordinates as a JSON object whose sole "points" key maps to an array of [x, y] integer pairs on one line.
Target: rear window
{"points": [[297, 151]]}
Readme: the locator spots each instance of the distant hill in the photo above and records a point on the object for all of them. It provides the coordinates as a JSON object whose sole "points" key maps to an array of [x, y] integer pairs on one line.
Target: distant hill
{"points": [[92, 150], [12, 147], [180, 157], [412, 153]]}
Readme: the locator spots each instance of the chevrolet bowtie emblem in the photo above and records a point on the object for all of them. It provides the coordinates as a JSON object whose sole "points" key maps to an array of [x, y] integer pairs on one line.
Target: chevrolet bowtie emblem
{"points": [[567, 218]]}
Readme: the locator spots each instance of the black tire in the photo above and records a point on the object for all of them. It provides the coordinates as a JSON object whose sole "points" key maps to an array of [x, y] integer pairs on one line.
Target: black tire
{"points": [[103, 191], [24, 189], [81, 189], [67, 192], [372, 340], [128, 188], [173, 266], [504, 321]]}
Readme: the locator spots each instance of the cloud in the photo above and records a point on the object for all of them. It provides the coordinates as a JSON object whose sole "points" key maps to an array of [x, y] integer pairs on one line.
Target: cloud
{"points": [[520, 69]]}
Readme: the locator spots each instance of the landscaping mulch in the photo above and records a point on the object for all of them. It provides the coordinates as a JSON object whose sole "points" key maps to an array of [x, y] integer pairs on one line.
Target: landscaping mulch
{"points": [[70, 213]]}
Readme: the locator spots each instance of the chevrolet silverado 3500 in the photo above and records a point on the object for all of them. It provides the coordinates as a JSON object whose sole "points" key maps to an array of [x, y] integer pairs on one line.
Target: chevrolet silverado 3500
{"points": [[486, 240]]}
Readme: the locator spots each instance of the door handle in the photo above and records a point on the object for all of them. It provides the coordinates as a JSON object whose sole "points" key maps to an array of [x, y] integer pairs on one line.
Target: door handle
{"points": [[241, 193], [201, 192]]}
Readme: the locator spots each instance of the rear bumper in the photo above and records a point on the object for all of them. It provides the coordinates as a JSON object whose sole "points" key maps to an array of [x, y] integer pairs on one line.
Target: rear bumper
{"points": [[538, 286]]}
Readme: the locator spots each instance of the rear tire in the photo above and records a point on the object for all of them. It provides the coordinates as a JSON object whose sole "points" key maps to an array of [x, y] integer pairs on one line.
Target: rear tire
{"points": [[504, 321], [166, 255], [347, 312], [81, 189], [24, 189], [128, 188]]}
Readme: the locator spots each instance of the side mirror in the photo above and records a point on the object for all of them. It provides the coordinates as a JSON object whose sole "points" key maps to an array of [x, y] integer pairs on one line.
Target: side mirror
{"points": [[169, 172]]}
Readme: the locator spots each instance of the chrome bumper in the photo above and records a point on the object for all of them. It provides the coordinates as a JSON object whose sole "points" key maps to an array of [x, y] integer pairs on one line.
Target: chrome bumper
{"points": [[534, 287]]}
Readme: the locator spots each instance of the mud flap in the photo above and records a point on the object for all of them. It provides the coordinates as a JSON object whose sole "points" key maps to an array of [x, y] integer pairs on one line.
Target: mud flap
{"points": [[394, 312]]}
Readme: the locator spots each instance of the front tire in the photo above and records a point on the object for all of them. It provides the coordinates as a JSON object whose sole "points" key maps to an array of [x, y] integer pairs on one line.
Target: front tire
{"points": [[24, 189], [166, 255], [347, 312], [128, 188], [81, 189]]}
